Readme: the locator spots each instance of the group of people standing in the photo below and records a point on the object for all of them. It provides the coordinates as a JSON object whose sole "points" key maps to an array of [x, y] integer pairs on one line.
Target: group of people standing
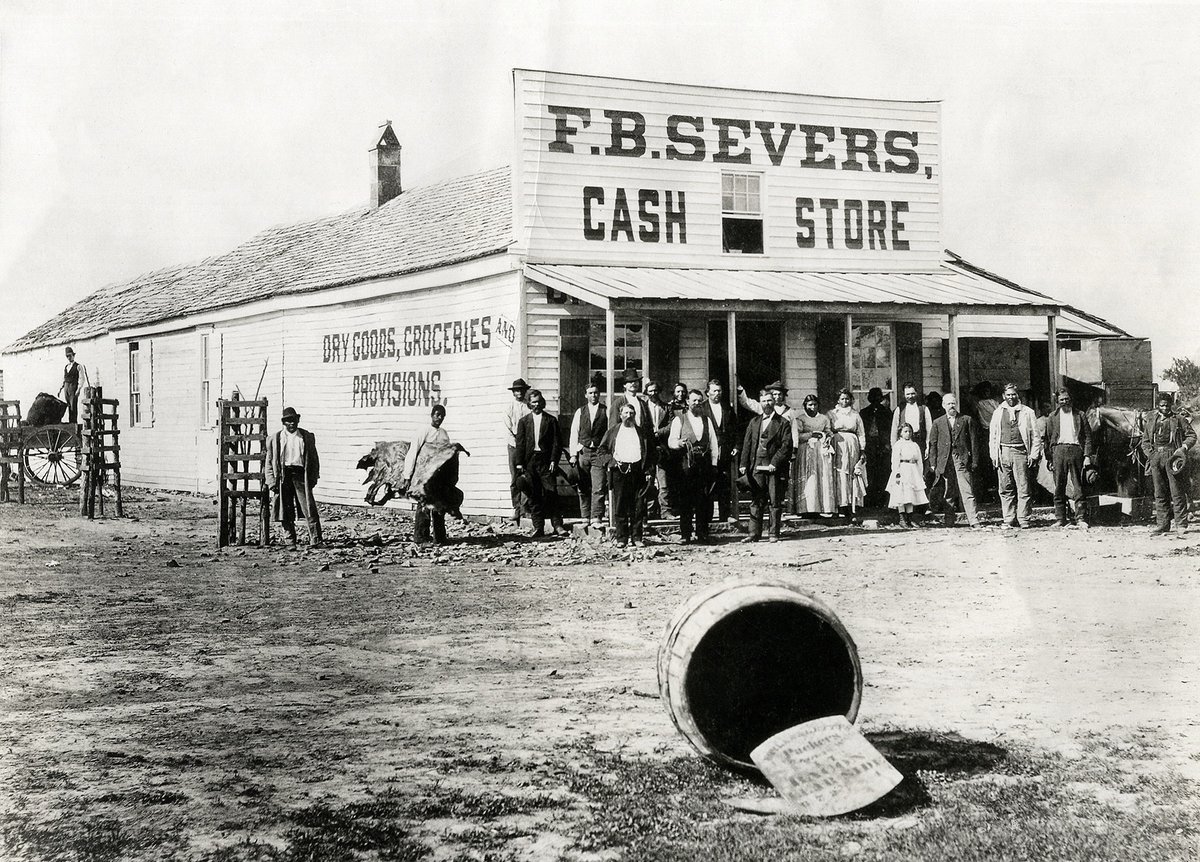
{"points": [[678, 458]]}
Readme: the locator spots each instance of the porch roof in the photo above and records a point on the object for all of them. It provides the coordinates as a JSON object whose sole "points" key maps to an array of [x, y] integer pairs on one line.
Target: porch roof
{"points": [[952, 289]]}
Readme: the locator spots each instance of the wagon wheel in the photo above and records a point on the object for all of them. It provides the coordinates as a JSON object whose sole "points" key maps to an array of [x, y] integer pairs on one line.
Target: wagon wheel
{"points": [[52, 456]]}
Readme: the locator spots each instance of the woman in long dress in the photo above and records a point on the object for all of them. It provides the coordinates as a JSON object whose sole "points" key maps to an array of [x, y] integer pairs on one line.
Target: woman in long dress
{"points": [[813, 444], [906, 486], [849, 438]]}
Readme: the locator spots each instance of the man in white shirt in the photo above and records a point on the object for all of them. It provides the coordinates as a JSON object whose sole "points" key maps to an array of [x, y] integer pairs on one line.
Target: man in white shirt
{"points": [[75, 377], [516, 410], [661, 414], [1068, 449], [292, 470], [917, 416], [587, 431], [693, 436], [1012, 447], [724, 420]]}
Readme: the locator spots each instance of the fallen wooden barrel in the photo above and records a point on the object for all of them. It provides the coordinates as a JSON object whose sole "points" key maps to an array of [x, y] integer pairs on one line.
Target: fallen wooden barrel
{"points": [[750, 657]]}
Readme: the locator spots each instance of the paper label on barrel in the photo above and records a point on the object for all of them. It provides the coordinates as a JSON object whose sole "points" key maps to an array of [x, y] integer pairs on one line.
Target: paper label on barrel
{"points": [[825, 767]]}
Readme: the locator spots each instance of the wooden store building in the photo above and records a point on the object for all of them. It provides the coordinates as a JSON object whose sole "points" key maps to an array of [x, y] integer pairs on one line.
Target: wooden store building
{"points": [[687, 232]]}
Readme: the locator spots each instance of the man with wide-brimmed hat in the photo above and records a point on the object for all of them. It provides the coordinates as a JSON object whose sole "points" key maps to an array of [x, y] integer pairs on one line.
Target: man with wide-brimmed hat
{"points": [[74, 378], [632, 382], [763, 467], [293, 468], [1166, 442], [517, 409]]}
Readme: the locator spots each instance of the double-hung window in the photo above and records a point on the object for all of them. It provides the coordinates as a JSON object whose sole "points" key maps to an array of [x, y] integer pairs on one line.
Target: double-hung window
{"points": [[741, 213]]}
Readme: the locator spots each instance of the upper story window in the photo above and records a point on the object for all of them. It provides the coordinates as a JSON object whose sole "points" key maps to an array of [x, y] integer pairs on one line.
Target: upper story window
{"points": [[741, 213]]}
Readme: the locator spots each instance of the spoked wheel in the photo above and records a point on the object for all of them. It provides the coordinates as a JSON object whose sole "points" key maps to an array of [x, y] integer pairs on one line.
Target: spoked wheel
{"points": [[52, 456]]}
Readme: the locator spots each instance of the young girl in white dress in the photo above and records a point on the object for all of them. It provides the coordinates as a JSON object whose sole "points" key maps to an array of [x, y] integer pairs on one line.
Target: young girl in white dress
{"points": [[906, 487]]}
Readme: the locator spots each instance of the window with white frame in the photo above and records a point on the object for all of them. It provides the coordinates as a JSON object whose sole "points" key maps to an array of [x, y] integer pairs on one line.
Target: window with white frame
{"points": [[208, 379], [872, 362], [627, 352], [741, 213], [135, 383]]}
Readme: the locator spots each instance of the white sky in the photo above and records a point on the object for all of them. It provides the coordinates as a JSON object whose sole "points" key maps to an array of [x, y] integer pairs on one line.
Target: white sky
{"points": [[135, 135]]}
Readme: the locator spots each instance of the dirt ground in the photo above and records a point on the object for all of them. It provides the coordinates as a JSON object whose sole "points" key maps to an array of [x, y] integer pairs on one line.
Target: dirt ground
{"points": [[161, 699]]}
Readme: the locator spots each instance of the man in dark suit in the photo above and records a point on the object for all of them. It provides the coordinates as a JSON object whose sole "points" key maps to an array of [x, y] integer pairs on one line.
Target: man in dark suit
{"points": [[1068, 449], [877, 422], [1168, 438], [953, 456], [766, 450], [662, 505], [642, 418], [538, 450], [724, 421]]}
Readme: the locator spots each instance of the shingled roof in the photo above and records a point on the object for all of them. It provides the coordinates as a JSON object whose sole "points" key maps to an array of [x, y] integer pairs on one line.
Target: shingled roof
{"points": [[436, 225]]}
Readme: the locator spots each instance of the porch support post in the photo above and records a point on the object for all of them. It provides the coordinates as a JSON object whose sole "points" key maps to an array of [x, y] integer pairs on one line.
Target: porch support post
{"points": [[610, 352], [731, 347], [952, 346], [849, 339], [1052, 346]]}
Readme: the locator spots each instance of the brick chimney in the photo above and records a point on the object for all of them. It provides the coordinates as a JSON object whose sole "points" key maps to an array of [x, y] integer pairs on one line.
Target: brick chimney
{"points": [[385, 168]]}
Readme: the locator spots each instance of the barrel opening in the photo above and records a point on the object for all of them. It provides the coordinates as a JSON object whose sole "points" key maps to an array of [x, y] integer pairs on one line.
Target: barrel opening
{"points": [[764, 668]]}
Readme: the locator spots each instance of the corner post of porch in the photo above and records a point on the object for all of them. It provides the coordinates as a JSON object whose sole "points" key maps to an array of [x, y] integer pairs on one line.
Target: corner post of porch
{"points": [[1052, 347], [731, 348], [848, 338], [952, 346], [610, 352]]}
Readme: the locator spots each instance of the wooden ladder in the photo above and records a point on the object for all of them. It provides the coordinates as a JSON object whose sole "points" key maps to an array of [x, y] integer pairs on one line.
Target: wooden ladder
{"points": [[101, 447], [241, 462], [10, 450]]}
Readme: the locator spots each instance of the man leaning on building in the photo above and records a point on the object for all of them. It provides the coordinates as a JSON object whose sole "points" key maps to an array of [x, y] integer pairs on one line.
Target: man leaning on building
{"points": [[1011, 444], [1166, 442], [587, 431], [293, 468], [1068, 449]]}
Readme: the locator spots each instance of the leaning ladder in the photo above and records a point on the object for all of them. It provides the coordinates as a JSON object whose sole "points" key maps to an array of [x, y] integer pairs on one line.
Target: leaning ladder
{"points": [[242, 457], [101, 447], [10, 450]]}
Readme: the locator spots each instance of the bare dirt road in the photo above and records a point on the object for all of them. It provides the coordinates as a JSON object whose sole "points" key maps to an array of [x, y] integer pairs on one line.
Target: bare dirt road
{"points": [[161, 699]]}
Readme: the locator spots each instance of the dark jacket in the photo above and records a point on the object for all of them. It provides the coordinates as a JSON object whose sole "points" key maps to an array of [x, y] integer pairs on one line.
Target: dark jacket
{"points": [[1183, 435], [726, 429], [608, 444], [274, 470], [550, 444], [777, 444], [1083, 433], [958, 442], [645, 423], [877, 423]]}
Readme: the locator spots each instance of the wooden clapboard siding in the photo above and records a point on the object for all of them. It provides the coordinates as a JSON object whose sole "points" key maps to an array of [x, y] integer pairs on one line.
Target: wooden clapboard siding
{"points": [[41, 370], [693, 354], [163, 453], [473, 385], [800, 357], [549, 184], [542, 333]]}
